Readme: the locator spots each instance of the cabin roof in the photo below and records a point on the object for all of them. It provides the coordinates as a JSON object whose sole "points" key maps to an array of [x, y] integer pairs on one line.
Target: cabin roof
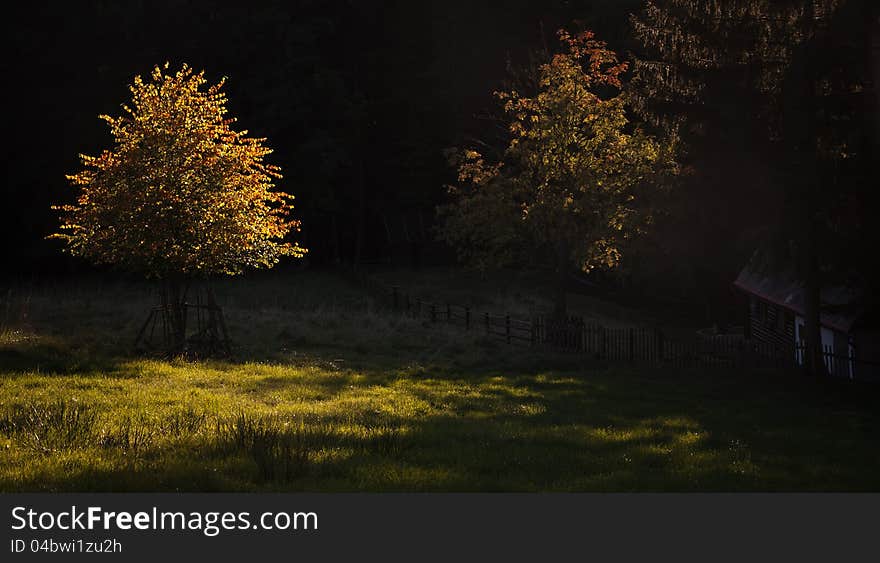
{"points": [[840, 309]]}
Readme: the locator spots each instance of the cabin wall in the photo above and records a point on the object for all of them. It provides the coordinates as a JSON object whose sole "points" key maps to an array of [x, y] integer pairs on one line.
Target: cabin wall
{"points": [[770, 323], [867, 345], [866, 348]]}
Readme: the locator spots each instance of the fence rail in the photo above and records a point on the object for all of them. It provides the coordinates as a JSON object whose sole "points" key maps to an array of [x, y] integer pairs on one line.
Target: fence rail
{"points": [[628, 344]]}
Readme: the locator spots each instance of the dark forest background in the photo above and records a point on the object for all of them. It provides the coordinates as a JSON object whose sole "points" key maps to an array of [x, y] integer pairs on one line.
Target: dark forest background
{"points": [[359, 99]]}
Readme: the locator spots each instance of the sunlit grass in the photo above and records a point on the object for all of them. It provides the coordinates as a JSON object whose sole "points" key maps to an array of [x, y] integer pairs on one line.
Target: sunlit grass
{"points": [[328, 392]]}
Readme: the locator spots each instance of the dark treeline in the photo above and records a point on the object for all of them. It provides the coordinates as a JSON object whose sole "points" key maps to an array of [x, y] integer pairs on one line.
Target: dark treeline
{"points": [[359, 99], [779, 112]]}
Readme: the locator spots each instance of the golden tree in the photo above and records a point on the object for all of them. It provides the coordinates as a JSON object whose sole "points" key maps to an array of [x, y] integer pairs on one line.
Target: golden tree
{"points": [[570, 185], [181, 194]]}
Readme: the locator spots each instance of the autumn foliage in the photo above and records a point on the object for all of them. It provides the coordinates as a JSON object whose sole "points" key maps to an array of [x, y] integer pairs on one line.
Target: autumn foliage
{"points": [[180, 193], [571, 186]]}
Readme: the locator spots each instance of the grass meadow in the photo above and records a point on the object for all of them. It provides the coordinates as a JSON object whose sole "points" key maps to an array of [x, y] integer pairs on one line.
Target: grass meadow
{"points": [[328, 391]]}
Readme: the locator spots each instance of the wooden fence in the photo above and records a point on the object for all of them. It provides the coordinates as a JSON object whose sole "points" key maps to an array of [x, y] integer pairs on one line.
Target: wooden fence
{"points": [[641, 345]]}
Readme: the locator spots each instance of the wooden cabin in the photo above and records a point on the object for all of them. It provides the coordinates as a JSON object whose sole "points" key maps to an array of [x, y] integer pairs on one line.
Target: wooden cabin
{"points": [[775, 315]]}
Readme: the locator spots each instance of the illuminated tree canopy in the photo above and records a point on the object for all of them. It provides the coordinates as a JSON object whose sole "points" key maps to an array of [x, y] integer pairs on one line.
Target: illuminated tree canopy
{"points": [[180, 193], [571, 182]]}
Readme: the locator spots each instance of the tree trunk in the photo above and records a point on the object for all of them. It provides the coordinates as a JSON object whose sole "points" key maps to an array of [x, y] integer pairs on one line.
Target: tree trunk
{"points": [[362, 213], [871, 17], [809, 170], [813, 357], [174, 304], [334, 234], [560, 299]]}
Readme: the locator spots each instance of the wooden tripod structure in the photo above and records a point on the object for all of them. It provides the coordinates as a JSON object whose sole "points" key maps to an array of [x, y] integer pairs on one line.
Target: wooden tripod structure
{"points": [[210, 338]]}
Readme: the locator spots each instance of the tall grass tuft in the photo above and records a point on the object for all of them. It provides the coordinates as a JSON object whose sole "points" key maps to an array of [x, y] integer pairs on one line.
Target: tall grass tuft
{"points": [[47, 428], [383, 439], [280, 452], [183, 423], [14, 313], [133, 435]]}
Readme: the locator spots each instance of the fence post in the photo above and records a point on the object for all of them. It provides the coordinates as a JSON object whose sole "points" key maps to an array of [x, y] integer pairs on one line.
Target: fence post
{"points": [[448, 313], [487, 322], [850, 363], [604, 349], [659, 338], [433, 313], [507, 327], [532, 330], [467, 318], [631, 344]]}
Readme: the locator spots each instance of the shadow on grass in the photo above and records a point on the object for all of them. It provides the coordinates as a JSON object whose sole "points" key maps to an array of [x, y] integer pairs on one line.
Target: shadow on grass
{"points": [[328, 394], [501, 430], [389, 405], [52, 356]]}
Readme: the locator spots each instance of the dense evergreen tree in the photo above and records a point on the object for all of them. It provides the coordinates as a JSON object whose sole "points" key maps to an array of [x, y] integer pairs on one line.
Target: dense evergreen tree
{"points": [[776, 104]]}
